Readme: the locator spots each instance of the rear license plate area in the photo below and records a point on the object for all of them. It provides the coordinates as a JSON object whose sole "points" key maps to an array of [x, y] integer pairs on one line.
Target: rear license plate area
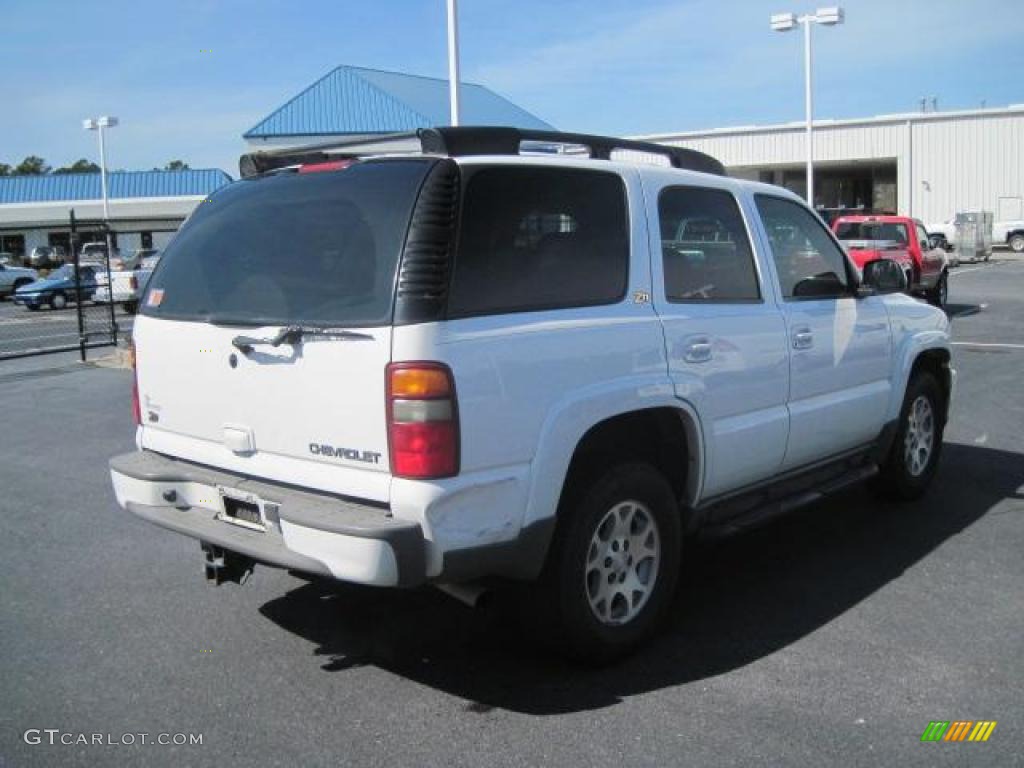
{"points": [[242, 509]]}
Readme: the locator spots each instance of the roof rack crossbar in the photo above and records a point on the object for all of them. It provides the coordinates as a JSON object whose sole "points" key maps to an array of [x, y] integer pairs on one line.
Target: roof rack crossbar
{"points": [[470, 140]]}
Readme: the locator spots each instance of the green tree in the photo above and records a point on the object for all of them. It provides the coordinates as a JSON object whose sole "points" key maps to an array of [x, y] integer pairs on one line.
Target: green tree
{"points": [[31, 166], [176, 165], [79, 166], [5, 169]]}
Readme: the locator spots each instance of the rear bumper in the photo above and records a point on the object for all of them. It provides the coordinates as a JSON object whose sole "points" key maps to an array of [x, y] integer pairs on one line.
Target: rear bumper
{"points": [[316, 533]]}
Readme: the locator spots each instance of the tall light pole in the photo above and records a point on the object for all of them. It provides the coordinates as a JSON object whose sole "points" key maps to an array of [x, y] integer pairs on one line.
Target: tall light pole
{"points": [[98, 124], [453, 60], [784, 22]]}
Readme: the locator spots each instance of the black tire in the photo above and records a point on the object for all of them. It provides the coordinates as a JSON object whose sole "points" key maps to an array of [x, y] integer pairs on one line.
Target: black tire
{"points": [[33, 307], [130, 307], [576, 568], [1016, 242], [939, 294], [58, 301], [899, 478]]}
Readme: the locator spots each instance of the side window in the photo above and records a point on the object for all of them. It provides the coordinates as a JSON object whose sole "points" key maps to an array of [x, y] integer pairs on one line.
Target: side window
{"points": [[809, 263], [704, 247], [540, 238], [922, 237]]}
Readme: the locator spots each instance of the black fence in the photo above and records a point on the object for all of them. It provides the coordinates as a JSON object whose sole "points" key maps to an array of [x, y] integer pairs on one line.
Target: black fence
{"points": [[68, 307]]}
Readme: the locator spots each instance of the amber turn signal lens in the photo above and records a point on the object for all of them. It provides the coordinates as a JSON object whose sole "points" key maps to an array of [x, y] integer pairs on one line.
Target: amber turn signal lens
{"points": [[420, 382]]}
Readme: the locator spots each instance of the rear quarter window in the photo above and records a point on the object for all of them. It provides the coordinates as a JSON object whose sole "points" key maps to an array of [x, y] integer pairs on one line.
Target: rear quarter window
{"points": [[535, 238]]}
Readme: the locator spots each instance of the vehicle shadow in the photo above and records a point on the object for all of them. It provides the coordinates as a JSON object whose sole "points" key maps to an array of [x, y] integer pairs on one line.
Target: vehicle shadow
{"points": [[741, 599], [961, 310]]}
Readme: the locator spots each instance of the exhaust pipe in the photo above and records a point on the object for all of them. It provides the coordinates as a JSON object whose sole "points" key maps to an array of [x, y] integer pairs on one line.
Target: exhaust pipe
{"points": [[469, 594]]}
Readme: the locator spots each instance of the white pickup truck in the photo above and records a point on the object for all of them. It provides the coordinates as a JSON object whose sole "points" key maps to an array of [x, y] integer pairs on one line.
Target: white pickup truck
{"points": [[125, 286], [474, 362]]}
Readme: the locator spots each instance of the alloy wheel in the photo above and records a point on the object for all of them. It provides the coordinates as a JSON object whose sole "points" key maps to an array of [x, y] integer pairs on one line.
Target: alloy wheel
{"points": [[920, 438], [622, 563]]}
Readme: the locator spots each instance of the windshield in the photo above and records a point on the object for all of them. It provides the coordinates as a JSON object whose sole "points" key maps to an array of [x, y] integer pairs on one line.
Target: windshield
{"points": [[318, 249], [871, 230]]}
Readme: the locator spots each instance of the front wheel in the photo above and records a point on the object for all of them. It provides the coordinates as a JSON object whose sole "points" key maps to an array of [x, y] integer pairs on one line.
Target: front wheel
{"points": [[614, 563], [1016, 243], [58, 301], [938, 295], [913, 458]]}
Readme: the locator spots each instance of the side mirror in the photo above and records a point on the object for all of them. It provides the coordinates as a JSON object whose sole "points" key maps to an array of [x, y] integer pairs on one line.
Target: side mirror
{"points": [[884, 276]]}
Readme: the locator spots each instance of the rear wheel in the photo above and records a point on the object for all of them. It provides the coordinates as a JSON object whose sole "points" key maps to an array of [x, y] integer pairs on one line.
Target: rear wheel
{"points": [[614, 563], [130, 307], [908, 470], [1016, 243], [938, 295]]}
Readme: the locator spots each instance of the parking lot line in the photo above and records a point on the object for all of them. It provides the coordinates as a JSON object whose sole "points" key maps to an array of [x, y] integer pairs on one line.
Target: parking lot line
{"points": [[986, 344]]}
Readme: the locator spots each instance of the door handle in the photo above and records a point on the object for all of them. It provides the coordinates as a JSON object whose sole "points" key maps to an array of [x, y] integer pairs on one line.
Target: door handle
{"points": [[698, 351], [802, 338]]}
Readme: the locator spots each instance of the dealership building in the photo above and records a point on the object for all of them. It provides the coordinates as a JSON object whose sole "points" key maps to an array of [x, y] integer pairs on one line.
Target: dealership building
{"points": [[146, 207], [925, 164]]}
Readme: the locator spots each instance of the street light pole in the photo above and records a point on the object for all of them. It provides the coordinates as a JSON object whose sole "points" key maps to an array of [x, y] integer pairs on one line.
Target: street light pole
{"points": [[103, 174], [808, 111], [98, 124], [453, 61], [784, 22]]}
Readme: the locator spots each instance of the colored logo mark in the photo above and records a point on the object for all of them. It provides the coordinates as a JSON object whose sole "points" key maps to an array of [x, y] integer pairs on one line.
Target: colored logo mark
{"points": [[958, 730]]}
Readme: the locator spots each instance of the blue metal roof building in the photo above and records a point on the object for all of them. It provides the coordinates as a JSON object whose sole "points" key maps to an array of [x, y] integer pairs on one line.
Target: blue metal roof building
{"points": [[120, 184], [357, 101], [146, 207]]}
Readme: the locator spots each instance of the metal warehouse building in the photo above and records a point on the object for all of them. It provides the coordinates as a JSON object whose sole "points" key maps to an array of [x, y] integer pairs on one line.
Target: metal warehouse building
{"points": [[146, 207], [929, 165]]}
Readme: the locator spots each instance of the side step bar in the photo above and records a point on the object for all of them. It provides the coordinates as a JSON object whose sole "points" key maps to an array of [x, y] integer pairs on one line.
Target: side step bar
{"points": [[760, 515]]}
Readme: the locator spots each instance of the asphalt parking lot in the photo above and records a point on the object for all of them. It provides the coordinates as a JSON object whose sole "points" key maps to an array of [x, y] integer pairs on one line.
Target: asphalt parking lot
{"points": [[832, 637]]}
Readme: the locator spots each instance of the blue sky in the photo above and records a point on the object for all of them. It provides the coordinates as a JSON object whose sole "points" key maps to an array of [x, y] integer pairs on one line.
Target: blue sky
{"points": [[642, 66]]}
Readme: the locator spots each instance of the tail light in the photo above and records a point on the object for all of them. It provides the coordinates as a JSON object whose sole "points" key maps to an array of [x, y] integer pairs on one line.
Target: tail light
{"points": [[136, 407], [423, 423]]}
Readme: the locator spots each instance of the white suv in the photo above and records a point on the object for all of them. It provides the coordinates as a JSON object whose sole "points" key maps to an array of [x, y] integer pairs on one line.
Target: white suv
{"points": [[397, 367]]}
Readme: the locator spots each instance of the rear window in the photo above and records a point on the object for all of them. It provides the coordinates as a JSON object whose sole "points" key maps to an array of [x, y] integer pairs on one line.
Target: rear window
{"points": [[871, 230], [540, 238], [316, 249]]}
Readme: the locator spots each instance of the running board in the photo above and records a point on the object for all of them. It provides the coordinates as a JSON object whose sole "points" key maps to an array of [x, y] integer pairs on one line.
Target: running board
{"points": [[760, 515]]}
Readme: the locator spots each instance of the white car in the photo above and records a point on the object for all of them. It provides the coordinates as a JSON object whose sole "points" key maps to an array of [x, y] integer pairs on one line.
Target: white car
{"points": [[474, 363], [12, 278]]}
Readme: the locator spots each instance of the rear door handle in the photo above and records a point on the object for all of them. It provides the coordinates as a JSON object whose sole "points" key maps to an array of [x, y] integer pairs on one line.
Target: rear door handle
{"points": [[802, 338], [698, 351]]}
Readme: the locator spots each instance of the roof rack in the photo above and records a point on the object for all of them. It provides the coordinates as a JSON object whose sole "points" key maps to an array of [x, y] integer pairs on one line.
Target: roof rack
{"points": [[470, 140]]}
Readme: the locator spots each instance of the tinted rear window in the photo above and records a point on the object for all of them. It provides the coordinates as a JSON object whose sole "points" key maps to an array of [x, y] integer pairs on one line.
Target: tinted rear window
{"points": [[540, 238], [317, 249], [871, 230]]}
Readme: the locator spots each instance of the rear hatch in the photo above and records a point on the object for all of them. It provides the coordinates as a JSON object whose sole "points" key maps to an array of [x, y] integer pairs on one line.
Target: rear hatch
{"points": [[307, 260]]}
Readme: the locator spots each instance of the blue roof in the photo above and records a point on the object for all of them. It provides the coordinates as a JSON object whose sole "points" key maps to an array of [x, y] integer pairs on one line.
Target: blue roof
{"points": [[353, 100], [120, 184]]}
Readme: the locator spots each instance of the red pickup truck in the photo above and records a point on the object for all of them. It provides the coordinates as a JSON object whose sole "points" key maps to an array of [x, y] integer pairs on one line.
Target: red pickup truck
{"points": [[903, 240]]}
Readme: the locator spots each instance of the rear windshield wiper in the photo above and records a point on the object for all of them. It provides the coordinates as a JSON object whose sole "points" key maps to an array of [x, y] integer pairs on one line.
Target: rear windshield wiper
{"points": [[293, 334]]}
